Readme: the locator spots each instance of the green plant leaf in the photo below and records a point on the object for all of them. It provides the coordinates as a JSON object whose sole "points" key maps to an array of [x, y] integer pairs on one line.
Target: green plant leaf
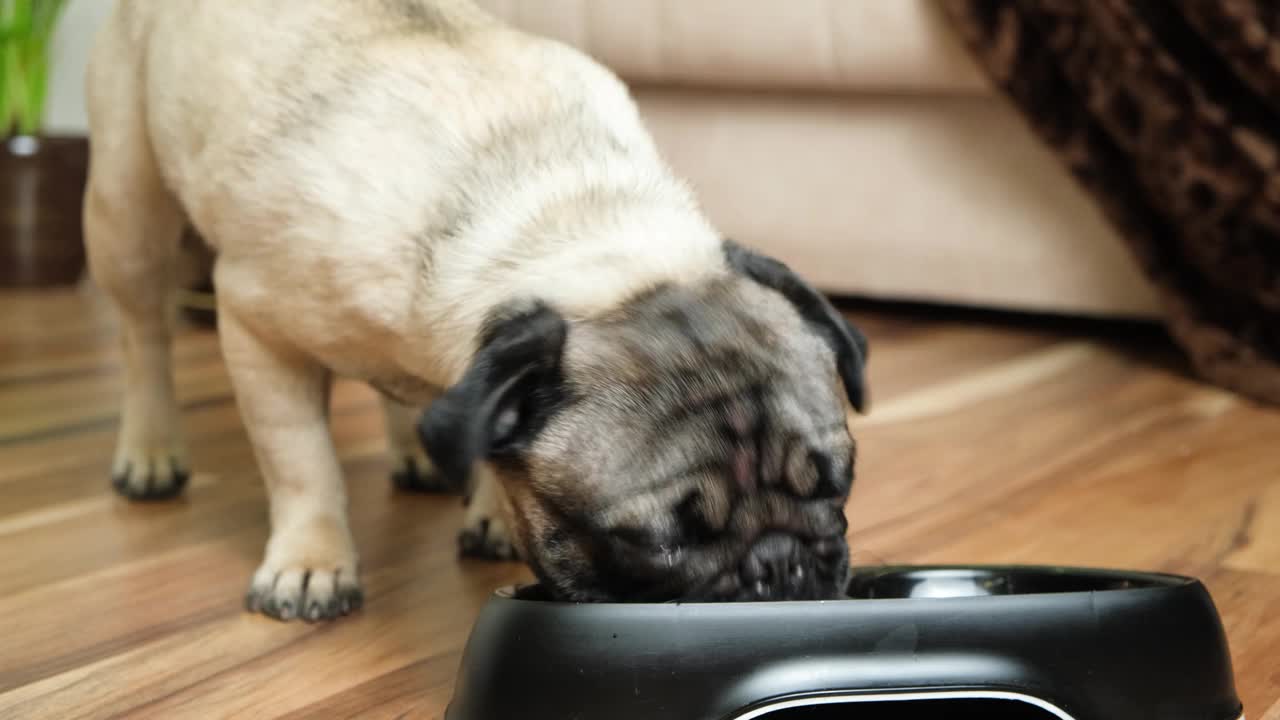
{"points": [[26, 31], [16, 81]]}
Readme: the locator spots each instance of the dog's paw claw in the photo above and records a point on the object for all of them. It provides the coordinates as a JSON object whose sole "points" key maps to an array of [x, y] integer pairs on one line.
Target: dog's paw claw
{"points": [[351, 601], [334, 607], [284, 610]]}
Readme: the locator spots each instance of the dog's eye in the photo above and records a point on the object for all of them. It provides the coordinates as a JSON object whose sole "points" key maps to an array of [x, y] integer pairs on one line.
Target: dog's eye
{"points": [[504, 428]]}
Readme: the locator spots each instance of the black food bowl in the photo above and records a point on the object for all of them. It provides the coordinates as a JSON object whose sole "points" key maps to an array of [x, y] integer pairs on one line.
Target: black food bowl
{"points": [[1002, 643]]}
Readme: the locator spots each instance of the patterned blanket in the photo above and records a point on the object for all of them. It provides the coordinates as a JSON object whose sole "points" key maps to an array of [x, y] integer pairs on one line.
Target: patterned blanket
{"points": [[1168, 113]]}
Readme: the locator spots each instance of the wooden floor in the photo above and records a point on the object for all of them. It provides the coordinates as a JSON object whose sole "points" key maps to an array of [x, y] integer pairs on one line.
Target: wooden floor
{"points": [[990, 441]]}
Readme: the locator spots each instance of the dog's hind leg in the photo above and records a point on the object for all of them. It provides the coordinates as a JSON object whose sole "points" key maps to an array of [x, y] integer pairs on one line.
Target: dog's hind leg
{"points": [[132, 226]]}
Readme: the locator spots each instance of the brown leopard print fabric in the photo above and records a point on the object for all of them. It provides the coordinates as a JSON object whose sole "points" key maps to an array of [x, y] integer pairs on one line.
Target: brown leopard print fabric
{"points": [[1168, 113]]}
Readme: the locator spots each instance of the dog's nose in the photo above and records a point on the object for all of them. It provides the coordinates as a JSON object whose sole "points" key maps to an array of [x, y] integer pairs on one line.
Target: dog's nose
{"points": [[778, 567]]}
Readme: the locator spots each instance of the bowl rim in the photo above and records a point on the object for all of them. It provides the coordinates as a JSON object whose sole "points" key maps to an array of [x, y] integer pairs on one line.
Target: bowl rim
{"points": [[1143, 580]]}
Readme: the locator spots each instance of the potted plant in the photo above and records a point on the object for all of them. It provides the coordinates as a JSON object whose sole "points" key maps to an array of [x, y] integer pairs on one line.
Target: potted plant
{"points": [[42, 177]]}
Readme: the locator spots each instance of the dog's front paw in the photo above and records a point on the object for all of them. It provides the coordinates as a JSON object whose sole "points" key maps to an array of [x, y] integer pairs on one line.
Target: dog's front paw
{"points": [[485, 533], [146, 474], [415, 473], [301, 593], [308, 575], [487, 538]]}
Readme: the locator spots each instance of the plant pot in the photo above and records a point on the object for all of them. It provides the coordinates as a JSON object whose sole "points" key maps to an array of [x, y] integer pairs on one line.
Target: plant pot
{"points": [[42, 182]]}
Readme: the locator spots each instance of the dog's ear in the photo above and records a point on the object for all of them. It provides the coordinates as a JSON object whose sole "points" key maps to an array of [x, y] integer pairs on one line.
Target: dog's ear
{"points": [[513, 384], [848, 342]]}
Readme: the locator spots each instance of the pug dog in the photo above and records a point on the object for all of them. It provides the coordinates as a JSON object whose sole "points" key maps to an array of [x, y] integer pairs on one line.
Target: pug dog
{"points": [[474, 221]]}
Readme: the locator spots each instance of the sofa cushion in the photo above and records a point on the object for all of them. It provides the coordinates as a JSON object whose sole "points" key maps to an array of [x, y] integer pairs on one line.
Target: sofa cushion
{"points": [[942, 199], [866, 45]]}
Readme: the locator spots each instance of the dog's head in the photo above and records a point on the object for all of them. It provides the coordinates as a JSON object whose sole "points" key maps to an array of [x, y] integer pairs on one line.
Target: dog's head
{"points": [[690, 445]]}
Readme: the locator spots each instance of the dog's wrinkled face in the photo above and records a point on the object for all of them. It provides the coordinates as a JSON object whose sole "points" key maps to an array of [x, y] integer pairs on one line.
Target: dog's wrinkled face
{"points": [[692, 445]]}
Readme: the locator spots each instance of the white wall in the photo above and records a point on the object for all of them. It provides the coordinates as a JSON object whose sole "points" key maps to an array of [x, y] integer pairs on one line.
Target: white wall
{"points": [[64, 114]]}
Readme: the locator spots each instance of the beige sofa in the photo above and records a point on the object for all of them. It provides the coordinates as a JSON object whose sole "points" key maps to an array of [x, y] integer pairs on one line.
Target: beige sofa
{"points": [[857, 141]]}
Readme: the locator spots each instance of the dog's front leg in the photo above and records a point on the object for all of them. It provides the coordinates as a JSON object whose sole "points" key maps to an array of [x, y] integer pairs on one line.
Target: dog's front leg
{"points": [[310, 567]]}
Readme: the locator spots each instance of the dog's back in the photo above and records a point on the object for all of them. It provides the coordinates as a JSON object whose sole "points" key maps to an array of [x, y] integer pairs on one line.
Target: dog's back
{"points": [[425, 133], [236, 96]]}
